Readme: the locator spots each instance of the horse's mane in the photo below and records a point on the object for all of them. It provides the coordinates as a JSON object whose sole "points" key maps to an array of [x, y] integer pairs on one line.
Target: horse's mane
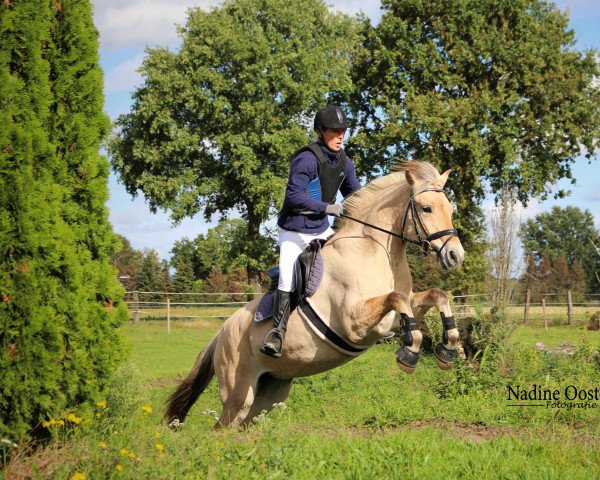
{"points": [[383, 189]]}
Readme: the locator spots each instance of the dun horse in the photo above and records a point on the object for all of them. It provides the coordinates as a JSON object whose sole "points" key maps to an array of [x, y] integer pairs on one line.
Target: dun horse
{"points": [[365, 290]]}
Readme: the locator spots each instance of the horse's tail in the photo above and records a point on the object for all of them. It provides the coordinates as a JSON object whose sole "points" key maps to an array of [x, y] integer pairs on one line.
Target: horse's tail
{"points": [[188, 391]]}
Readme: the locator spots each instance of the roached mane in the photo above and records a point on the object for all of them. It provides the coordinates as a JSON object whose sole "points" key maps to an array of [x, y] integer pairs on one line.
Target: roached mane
{"points": [[384, 188]]}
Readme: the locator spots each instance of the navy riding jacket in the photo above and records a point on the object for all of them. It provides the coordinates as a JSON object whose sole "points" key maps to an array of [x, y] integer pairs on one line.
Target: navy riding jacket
{"points": [[303, 170]]}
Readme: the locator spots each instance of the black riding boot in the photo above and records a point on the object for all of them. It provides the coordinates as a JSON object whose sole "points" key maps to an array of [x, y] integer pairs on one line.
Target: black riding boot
{"points": [[273, 343]]}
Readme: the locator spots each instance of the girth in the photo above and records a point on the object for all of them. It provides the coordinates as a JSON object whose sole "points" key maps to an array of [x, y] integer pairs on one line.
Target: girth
{"points": [[327, 333]]}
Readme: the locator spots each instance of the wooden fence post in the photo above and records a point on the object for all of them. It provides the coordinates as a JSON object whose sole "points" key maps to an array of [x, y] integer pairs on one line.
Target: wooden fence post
{"points": [[544, 310], [569, 307], [136, 307], [527, 301], [168, 315]]}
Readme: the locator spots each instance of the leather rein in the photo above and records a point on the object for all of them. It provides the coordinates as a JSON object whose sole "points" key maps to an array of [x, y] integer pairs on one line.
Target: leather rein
{"points": [[423, 241]]}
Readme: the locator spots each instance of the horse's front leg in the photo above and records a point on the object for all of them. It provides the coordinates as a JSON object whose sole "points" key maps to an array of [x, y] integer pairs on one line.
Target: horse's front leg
{"points": [[374, 312], [445, 352]]}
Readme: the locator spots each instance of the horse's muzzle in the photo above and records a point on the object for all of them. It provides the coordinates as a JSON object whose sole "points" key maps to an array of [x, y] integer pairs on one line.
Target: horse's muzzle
{"points": [[452, 255]]}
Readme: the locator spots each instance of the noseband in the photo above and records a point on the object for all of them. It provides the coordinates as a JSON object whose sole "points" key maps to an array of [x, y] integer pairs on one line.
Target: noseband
{"points": [[423, 241]]}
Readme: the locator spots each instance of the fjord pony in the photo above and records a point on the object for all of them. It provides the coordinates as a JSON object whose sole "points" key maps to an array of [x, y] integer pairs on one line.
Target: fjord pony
{"points": [[366, 287]]}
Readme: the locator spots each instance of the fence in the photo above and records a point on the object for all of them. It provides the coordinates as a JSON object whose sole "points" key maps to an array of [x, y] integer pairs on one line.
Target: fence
{"points": [[566, 308], [174, 306]]}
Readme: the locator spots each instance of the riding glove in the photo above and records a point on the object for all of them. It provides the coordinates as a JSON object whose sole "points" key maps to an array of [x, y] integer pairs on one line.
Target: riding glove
{"points": [[336, 210]]}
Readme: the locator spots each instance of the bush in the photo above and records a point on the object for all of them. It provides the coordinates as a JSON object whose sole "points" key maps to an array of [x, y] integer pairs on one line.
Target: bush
{"points": [[485, 330], [594, 323], [125, 394]]}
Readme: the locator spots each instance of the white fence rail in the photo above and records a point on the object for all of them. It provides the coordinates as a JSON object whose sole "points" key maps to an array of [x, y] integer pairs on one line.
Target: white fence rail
{"points": [[563, 308]]}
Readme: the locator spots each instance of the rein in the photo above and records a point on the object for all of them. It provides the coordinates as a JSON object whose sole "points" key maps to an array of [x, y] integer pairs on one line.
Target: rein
{"points": [[424, 243]]}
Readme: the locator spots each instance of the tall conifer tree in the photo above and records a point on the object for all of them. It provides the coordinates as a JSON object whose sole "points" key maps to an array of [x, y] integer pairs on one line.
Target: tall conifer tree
{"points": [[60, 297]]}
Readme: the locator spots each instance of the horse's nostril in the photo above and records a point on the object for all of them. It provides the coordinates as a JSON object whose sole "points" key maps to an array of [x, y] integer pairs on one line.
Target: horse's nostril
{"points": [[453, 257]]}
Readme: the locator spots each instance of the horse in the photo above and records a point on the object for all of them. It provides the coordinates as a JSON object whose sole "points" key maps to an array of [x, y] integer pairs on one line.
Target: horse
{"points": [[365, 291]]}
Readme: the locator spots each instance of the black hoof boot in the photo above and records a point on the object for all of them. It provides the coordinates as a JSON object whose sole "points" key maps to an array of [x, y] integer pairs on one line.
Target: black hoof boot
{"points": [[445, 357], [407, 359], [273, 344]]}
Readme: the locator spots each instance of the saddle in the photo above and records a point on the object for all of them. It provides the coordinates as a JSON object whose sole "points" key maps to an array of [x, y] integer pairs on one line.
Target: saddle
{"points": [[308, 271]]}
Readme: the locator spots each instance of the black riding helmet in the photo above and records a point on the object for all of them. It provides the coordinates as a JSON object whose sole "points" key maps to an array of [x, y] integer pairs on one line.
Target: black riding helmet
{"points": [[330, 117]]}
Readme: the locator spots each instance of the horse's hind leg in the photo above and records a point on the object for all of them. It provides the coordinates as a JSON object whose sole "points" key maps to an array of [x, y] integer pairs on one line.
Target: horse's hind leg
{"points": [[270, 391], [445, 353], [237, 388]]}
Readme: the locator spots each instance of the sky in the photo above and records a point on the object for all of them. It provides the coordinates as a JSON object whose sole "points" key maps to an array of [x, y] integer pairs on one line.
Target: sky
{"points": [[128, 27]]}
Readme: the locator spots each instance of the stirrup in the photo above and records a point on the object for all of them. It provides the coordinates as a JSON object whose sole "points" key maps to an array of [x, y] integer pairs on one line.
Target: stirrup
{"points": [[273, 344]]}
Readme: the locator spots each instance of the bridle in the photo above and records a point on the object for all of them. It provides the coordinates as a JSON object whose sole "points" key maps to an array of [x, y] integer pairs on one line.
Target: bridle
{"points": [[423, 241]]}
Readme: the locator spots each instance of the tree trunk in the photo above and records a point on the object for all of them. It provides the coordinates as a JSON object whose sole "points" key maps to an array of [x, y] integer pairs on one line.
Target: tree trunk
{"points": [[253, 248]]}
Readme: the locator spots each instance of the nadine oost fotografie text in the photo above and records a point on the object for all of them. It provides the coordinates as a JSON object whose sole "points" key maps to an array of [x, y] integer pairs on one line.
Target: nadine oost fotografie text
{"points": [[568, 397]]}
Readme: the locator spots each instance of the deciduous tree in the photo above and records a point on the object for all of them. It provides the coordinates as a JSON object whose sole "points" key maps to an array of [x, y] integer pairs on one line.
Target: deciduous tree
{"points": [[564, 232], [225, 247], [493, 89], [214, 125], [128, 261], [503, 254]]}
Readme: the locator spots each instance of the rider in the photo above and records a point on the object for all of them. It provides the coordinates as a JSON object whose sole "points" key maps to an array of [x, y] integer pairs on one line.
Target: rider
{"points": [[317, 172]]}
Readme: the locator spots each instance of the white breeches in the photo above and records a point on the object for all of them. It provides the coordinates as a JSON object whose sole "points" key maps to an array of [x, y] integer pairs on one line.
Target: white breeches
{"points": [[291, 245]]}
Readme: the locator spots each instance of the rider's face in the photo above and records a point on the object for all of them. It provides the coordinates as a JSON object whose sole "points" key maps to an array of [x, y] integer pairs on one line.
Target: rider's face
{"points": [[333, 138]]}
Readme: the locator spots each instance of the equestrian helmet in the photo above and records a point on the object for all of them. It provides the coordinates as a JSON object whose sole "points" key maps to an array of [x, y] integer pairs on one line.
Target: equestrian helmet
{"points": [[330, 117]]}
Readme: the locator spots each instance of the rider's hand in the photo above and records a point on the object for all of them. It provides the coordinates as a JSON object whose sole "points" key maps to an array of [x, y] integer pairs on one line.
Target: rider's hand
{"points": [[336, 210]]}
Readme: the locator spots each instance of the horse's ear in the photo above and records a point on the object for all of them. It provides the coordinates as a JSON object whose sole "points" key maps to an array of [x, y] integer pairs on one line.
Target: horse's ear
{"points": [[409, 178], [444, 176]]}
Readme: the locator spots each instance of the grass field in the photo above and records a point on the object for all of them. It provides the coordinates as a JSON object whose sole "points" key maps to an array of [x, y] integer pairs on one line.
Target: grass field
{"points": [[365, 419]]}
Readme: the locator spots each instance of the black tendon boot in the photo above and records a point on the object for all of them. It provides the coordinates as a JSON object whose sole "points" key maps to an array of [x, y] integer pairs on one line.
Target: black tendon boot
{"points": [[273, 342]]}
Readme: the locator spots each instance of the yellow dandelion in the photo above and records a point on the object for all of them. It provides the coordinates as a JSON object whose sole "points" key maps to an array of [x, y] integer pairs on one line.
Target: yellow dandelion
{"points": [[71, 417], [123, 452], [98, 414], [147, 409], [78, 476], [101, 404], [52, 422], [131, 455], [103, 445], [160, 447], [119, 468], [156, 434]]}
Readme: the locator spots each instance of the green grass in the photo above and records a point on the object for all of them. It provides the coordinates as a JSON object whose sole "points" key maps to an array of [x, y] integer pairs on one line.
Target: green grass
{"points": [[160, 355], [556, 335], [365, 419]]}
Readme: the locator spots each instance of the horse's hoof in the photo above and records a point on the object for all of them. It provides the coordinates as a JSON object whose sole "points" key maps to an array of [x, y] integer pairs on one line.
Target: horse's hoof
{"points": [[406, 369], [444, 357], [407, 359]]}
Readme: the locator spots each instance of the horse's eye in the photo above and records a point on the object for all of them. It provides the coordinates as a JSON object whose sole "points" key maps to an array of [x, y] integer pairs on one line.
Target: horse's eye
{"points": [[427, 209]]}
